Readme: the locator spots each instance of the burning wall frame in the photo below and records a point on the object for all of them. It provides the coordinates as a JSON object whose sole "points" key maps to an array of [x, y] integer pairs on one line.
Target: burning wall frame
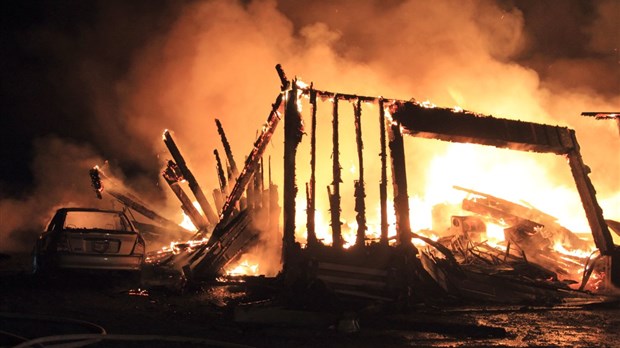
{"points": [[414, 119]]}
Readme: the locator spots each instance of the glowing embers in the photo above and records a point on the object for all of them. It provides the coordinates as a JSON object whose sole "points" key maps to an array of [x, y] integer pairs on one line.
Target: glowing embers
{"points": [[187, 221], [243, 267], [168, 252]]}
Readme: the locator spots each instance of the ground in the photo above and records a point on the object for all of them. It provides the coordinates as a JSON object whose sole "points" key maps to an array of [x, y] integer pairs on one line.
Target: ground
{"points": [[31, 307]]}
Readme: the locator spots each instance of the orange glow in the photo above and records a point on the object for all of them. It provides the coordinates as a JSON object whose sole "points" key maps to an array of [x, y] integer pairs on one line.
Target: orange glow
{"points": [[244, 267], [187, 222]]}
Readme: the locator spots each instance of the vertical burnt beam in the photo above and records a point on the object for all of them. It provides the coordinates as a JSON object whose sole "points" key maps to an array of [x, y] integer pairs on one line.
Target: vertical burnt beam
{"points": [[311, 187], [258, 186], [600, 231], [227, 149], [293, 131], [249, 194], [171, 176], [274, 209], [360, 190], [220, 172], [191, 180], [399, 183], [383, 183], [218, 198], [334, 190]]}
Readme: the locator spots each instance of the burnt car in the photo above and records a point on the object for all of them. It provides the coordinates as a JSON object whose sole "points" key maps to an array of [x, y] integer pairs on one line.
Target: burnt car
{"points": [[89, 239]]}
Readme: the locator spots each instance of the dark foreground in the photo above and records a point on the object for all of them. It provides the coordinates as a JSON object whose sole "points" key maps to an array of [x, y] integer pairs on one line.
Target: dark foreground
{"points": [[87, 304]]}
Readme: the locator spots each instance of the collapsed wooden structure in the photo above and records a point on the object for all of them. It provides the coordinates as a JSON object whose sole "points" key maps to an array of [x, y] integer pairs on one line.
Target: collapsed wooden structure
{"points": [[460, 266], [398, 270]]}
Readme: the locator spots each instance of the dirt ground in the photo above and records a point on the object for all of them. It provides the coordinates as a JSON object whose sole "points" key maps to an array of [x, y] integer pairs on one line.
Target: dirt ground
{"points": [[157, 316]]}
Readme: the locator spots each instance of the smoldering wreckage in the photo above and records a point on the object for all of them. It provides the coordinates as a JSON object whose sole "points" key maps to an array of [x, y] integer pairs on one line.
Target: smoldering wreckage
{"points": [[404, 270]]}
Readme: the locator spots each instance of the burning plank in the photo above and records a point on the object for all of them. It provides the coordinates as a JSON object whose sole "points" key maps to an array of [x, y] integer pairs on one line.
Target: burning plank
{"points": [[172, 176], [191, 180], [232, 236]]}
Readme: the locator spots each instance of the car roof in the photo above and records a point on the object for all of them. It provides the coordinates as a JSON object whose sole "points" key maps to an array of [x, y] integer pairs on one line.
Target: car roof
{"points": [[89, 210]]}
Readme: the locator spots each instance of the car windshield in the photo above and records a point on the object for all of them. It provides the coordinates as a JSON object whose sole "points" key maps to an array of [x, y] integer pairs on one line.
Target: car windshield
{"points": [[97, 220]]}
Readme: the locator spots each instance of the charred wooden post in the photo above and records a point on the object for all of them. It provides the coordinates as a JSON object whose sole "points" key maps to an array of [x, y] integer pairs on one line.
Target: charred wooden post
{"points": [[399, 183], [218, 198], [360, 190], [191, 180], [594, 213], [449, 125], [383, 183], [227, 150], [293, 131], [274, 209], [258, 186], [311, 187], [172, 176], [220, 172], [334, 190], [250, 194]]}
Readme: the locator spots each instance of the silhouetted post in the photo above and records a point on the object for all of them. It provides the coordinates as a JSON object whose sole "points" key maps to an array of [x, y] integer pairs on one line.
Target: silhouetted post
{"points": [[191, 180], [311, 188], [293, 131], [383, 183], [399, 183], [334, 190], [360, 190], [227, 150], [171, 175]]}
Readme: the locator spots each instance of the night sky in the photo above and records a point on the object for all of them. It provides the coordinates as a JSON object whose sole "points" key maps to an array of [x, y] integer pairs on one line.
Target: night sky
{"points": [[47, 46]]}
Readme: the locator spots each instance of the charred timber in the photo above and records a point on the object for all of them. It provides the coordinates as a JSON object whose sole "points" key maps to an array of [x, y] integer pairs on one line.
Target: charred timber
{"points": [[191, 180], [258, 186], [171, 176], [209, 263], [360, 190], [450, 125], [399, 184], [273, 198], [251, 163], [512, 214], [466, 127], [383, 183], [602, 115], [594, 213], [221, 176], [227, 149], [293, 131], [334, 190], [311, 188]]}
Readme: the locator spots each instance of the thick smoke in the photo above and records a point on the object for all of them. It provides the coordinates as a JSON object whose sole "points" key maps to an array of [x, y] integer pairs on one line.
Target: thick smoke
{"points": [[215, 60], [59, 168]]}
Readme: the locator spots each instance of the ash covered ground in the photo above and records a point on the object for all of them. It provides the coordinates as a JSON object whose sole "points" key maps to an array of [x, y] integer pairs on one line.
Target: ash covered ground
{"points": [[157, 315]]}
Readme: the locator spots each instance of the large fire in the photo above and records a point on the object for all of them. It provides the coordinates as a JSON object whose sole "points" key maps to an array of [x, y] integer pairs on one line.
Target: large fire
{"points": [[532, 180]]}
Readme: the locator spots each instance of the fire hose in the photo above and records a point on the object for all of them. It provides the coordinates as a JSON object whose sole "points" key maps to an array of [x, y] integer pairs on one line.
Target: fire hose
{"points": [[85, 339]]}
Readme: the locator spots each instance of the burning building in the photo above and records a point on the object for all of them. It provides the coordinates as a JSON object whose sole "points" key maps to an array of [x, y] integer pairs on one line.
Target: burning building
{"points": [[486, 249]]}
